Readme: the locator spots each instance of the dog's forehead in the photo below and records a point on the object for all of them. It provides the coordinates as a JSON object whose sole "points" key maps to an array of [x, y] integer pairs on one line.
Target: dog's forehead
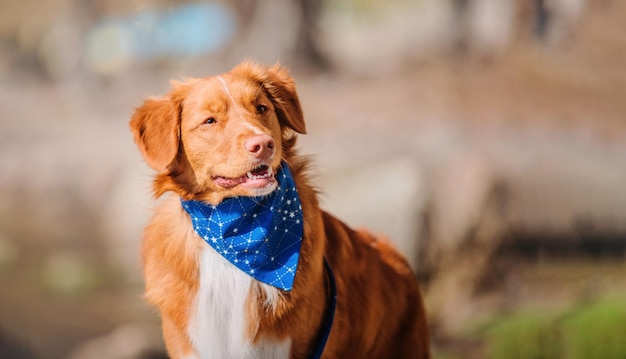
{"points": [[225, 89]]}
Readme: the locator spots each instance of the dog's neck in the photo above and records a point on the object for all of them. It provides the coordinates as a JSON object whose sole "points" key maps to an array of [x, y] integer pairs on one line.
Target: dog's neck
{"points": [[261, 236]]}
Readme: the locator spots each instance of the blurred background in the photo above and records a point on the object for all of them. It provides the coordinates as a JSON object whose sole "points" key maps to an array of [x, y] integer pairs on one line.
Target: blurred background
{"points": [[485, 137]]}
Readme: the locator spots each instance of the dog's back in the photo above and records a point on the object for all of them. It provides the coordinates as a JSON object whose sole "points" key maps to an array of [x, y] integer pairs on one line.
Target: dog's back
{"points": [[384, 316]]}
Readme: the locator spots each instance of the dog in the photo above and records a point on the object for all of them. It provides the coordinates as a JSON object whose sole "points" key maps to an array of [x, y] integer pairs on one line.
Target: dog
{"points": [[224, 148]]}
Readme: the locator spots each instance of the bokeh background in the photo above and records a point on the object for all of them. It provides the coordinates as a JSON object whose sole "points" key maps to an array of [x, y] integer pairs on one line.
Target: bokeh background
{"points": [[485, 137]]}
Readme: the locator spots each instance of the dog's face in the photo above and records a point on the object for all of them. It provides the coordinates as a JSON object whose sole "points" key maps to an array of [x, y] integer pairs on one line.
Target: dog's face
{"points": [[221, 136]]}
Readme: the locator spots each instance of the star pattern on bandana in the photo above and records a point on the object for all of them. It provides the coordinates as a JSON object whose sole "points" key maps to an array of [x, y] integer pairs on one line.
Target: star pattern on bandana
{"points": [[259, 235]]}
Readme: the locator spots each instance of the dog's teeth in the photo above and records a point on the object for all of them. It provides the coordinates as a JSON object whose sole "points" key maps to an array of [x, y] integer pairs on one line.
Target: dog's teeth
{"points": [[269, 173]]}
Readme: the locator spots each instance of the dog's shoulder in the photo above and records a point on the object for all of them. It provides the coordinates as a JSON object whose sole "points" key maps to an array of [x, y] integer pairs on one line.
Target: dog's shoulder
{"points": [[169, 253]]}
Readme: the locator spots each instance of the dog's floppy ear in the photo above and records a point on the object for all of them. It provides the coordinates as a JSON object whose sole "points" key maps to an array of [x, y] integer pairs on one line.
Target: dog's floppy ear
{"points": [[282, 91], [156, 129]]}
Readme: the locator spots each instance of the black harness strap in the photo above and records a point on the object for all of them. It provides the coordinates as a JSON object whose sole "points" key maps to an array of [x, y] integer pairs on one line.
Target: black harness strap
{"points": [[330, 316]]}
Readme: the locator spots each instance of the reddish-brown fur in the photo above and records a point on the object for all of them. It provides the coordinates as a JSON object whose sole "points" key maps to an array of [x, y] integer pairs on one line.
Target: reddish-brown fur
{"points": [[379, 308]]}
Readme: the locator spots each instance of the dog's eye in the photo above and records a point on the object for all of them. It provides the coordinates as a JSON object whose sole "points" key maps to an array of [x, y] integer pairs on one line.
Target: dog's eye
{"points": [[210, 120], [261, 109]]}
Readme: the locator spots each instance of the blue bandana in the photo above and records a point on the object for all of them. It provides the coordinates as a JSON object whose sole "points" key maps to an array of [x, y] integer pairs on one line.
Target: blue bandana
{"points": [[259, 235]]}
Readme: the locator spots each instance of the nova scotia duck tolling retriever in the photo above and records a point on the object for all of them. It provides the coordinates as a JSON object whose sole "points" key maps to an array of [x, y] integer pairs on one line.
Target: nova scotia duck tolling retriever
{"points": [[239, 259]]}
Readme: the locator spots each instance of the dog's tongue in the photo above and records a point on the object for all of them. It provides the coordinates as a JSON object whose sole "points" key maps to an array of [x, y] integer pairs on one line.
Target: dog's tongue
{"points": [[230, 182]]}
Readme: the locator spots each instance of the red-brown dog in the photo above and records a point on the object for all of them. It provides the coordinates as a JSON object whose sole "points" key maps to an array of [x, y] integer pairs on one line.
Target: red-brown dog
{"points": [[227, 138]]}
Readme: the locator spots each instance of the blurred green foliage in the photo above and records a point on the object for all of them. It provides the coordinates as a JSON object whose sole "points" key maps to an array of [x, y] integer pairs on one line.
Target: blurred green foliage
{"points": [[524, 335], [595, 330]]}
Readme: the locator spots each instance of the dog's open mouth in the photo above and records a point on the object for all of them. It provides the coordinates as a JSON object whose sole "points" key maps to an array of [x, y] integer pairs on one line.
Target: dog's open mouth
{"points": [[259, 177]]}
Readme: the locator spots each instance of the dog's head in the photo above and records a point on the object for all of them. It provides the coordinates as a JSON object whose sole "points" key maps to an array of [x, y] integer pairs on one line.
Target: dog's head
{"points": [[223, 136]]}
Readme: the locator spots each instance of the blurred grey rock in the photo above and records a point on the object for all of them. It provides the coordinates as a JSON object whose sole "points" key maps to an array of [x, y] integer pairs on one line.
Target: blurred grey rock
{"points": [[460, 181], [565, 183], [460, 189], [387, 198]]}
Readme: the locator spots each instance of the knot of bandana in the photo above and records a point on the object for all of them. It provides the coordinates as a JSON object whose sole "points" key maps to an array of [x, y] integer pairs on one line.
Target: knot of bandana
{"points": [[259, 235]]}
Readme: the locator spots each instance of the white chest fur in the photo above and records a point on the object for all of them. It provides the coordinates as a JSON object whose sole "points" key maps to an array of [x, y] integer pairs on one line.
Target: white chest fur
{"points": [[219, 321]]}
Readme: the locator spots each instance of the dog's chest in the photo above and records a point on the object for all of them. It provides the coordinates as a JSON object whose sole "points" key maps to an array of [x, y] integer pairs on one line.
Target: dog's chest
{"points": [[219, 321]]}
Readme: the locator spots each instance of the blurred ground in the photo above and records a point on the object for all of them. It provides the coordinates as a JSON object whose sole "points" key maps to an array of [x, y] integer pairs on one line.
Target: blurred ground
{"points": [[499, 173]]}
